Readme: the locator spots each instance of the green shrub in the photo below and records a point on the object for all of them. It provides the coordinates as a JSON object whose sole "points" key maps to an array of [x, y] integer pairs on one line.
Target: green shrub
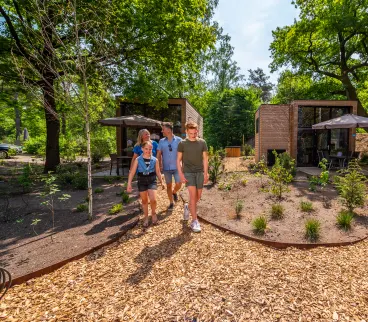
{"points": [[312, 229], [69, 148], [82, 207], [116, 208], [344, 219], [26, 178], [239, 207], [214, 165], [259, 225], [364, 158], [351, 185], [80, 181], [306, 206], [36, 145], [100, 147], [99, 190], [288, 163], [247, 150], [125, 197], [66, 173], [277, 211], [12, 152]]}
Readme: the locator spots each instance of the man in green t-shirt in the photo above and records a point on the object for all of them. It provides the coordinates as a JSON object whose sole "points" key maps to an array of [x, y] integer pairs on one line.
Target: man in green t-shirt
{"points": [[192, 164]]}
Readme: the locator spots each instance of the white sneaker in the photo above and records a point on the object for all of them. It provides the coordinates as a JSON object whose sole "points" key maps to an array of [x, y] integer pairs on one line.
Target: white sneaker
{"points": [[196, 227], [186, 212]]}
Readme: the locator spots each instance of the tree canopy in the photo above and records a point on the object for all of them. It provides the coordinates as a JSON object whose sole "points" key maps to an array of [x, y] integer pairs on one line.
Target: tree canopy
{"points": [[328, 40]]}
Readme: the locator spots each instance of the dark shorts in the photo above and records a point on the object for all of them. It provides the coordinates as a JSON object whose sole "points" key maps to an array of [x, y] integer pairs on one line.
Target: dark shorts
{"points": [[147, 183], [195, 179]]}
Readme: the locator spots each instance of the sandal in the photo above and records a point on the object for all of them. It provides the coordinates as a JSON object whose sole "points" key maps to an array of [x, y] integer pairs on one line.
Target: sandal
{"points": [[154, 222], [145, 223]]}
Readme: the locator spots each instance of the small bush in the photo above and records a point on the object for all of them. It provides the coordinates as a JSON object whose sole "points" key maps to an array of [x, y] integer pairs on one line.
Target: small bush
{"points": [[277, 211], [214, 165], [238, 208], [243, 182], [259, 225], [247, 150], [80, 181], [306, 206], [116, 208], [35, 146], [12, 152], [364, 158], [99, 190], [312, 229], [344, 219], [125, 197], [82, 207]]}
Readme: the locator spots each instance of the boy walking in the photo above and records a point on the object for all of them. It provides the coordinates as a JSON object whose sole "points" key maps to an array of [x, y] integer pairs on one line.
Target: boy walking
{"points": [[167, 157], [193, 153]]}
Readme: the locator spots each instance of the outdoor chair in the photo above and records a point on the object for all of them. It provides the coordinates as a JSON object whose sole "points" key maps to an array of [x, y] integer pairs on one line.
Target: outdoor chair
{"points": [[113, 159], [321, 156], [331, 162]]}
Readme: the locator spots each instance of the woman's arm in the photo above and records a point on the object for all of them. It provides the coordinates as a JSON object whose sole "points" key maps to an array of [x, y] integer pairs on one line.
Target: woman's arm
{"points": [[133, 169]]}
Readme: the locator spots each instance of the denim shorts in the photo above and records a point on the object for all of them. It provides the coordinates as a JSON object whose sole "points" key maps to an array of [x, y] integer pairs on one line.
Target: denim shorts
{"points": [[195, 179], [169, 174], [147, 183]]}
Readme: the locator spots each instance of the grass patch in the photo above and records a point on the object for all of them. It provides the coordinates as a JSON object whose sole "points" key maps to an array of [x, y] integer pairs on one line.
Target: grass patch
{"points": [[259, 225], [238, 208], [116, 208], [99, 190], [344, 219], [125, 197], [277, 211], [312, 229], [306, 206], [82, 207]]}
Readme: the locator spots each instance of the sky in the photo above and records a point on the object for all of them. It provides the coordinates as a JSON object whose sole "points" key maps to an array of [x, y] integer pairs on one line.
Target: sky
{"points": [[249, 23]]}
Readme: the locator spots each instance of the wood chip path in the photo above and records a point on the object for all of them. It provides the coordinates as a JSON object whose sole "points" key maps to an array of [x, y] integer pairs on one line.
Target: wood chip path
{"points": [[169, 274]]}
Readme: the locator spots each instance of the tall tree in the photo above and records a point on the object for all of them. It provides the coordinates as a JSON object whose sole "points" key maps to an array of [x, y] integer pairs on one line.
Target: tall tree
{"points": [[258, 79], [329, 39], [37, 39]]}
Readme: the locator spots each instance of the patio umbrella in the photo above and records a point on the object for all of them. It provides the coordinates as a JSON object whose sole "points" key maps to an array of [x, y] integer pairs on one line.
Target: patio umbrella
{"points": [[131, 120], [346, 121]]}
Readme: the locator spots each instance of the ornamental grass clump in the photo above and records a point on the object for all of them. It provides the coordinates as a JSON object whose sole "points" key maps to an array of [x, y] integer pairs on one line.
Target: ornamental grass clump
{"points": [[82, 207], [312, 229], [238, 208], [306, 206], [344, 219], [99, 190], [259, 225], [277, 211], [214, 165]]}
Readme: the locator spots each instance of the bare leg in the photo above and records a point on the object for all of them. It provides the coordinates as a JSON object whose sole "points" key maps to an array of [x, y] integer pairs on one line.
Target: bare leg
{"points": [[177, 187], [193, 195], [169, 191], [152, 197], [144, 197]]}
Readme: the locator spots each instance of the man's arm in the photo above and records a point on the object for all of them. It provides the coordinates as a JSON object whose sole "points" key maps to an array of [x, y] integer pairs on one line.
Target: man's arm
{"points": [[205, 166], [179, 159], [159, 158]]}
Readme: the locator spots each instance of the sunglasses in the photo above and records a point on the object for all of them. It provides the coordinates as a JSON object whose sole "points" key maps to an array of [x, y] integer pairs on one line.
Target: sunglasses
{"points": [[170, 148]]}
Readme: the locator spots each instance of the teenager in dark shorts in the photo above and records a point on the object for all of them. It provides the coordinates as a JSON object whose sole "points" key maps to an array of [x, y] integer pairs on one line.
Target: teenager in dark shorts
{"points": [[192, 164], [148, 172]]}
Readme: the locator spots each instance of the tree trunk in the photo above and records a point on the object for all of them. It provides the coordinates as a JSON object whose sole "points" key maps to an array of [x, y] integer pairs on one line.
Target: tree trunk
{"points": [[52, 124], [18, 131], [351, 94]]}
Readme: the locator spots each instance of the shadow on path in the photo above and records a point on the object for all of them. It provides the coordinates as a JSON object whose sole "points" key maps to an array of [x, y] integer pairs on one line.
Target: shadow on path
{"points": [[150, 255]]}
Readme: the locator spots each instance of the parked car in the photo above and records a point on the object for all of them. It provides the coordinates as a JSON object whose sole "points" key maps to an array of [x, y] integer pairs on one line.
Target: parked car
{"points": [[5, 147]]}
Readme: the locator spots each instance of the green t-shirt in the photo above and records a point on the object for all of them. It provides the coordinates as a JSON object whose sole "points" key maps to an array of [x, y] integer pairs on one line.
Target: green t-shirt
{"points": [[192, 154]]}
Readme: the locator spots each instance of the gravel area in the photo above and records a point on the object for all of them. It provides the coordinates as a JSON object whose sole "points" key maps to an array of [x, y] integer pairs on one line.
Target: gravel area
{"points": [[168, 273]]}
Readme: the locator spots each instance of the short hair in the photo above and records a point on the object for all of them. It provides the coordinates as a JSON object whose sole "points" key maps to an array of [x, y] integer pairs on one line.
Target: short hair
{"points": [[146, 143], [169, 125], [190, 125]]}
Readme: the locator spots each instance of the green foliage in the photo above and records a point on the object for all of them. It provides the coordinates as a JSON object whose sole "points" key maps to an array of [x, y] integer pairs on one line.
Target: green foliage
{"points": [[351, 184], [224, 186], [72, 174], [259, 225], [239, 207], [229, 116], [99, 190], [364, 158], [115, 209], [277, 211], [125, 197], [214, 165], [306, 206], [323, 178], [12, 152], [312, 229], [344, 219], [259, 80], [280, 177], [288, 163], [80, 181], [26, 178], [82, 207], [247, 150], [100, 148], [35, 146]]}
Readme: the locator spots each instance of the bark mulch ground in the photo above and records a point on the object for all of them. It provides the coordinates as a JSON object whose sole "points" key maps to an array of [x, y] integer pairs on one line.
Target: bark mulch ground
{"points": [[168, 273]]}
